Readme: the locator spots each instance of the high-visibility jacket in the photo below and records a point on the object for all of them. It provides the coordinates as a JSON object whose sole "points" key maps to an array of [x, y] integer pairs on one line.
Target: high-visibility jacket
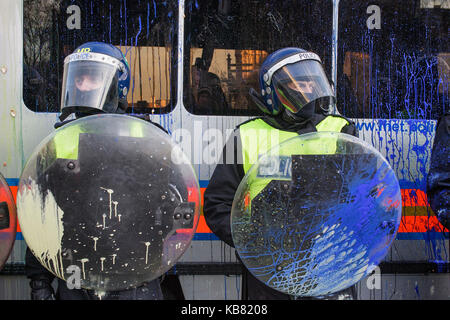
{"points": [[66, 139], [258, 137]]}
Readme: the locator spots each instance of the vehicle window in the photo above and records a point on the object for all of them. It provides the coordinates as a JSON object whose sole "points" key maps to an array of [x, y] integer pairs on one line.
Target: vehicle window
{"points": [[226, 42], [393, 59], [145, 31]]}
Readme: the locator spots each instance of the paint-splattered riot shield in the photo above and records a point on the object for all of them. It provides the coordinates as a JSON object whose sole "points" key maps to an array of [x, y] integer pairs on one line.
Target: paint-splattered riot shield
{"points": [[316, 214], [8, 221], [110, 196]]}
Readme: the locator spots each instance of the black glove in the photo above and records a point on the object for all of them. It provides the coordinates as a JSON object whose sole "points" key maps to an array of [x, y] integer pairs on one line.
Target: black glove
{"points": [[41, 289]]}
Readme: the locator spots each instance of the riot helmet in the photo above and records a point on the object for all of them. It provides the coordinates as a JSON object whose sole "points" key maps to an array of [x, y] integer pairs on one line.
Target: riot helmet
{"points": [[292, 78], [96, 79]]}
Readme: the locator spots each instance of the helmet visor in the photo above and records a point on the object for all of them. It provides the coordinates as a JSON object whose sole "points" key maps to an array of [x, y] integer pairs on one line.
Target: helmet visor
{"points": [[300, 83], [89, 84]]}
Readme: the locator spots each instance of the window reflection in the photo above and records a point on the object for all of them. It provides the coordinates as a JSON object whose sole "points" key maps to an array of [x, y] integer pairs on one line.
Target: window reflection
{"points": [[145, 31], [227, 41]]}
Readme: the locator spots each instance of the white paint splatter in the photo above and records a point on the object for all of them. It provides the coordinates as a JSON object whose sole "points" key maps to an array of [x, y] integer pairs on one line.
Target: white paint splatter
{"points": [[147, 244], [83, 261], [115, 208], [101, 260], [43, 231], [110, 192], [95, 243], [100, 294]]}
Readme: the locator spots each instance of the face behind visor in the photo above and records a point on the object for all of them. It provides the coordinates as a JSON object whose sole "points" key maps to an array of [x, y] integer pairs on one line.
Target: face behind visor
{"points": [[292, 82], [88, 80], [301, 83], [90, 83]]}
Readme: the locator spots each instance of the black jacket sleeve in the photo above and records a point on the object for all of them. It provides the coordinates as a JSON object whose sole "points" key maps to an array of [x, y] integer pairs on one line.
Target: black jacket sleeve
{"points": [[219, 195], [351, 129], [438, 179]]}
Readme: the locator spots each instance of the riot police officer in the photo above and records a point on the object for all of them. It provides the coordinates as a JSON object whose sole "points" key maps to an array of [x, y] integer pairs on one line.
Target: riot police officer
{"points": [[296, 98], [96, 80]]}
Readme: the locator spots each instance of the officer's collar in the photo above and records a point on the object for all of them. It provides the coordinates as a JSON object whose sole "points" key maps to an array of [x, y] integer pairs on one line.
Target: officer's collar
{"points": [[78, 115], [61, 123], [284, 121]]}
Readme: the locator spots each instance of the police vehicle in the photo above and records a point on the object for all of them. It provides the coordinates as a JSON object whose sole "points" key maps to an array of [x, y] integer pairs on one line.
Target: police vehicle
{"points": [[192, 64]]}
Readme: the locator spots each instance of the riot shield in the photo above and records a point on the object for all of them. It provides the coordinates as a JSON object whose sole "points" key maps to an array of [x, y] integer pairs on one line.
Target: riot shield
{"points": [[103, 196], [8, 221], [316, 214]]}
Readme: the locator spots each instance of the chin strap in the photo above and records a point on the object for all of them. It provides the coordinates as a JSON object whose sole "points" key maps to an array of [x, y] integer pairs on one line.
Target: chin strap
{"points": [[295, 123], [79, 112]]}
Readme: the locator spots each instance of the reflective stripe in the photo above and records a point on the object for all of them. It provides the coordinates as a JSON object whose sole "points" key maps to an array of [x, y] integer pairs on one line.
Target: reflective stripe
{"points": [[421, 217], [96, 57], [289, 60]]}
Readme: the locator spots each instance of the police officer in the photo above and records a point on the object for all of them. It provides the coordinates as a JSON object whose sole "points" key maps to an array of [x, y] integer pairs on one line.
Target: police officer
{"points": [[96, 80], [438, 179], [296, 98]]}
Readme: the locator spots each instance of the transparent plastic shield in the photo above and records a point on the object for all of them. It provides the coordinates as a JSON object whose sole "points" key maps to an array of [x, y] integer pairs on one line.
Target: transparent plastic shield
{"points": [[316, 214], [8, 221], [103, 198]]}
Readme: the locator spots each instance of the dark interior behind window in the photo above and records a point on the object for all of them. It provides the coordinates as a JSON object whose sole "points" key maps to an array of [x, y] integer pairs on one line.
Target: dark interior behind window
{"points": [[145, 31], [393, 59], [226, 41]]}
